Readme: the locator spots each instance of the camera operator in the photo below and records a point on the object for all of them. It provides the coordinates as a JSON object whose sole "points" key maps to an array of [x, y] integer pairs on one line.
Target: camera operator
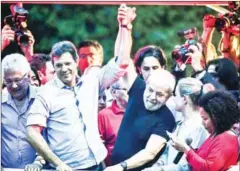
{"points": [[17, 38], [195, 52], [229, 26], [221, 73]]}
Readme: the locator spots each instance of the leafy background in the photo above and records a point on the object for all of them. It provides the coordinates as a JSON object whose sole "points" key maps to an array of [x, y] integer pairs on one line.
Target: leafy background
{"points": [[155, 25]]}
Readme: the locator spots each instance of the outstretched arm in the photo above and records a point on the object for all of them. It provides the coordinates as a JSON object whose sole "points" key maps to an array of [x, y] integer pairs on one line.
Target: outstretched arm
{"points": [[153, 147], [208, 30], [118, 66], [123, 44], [28, 49], [7, 36], [124, 41]]}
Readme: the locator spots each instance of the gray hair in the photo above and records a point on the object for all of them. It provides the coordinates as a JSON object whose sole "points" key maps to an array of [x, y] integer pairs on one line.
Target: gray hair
{"points": [[188, 86], [164, 78], [15, 62], [191, 87]]}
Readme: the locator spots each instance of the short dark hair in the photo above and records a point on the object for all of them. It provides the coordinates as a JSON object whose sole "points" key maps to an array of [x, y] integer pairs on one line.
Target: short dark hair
{"points": [[36, 74], [222, 108], [147, 51], [62, 47], [226, 72], [93, 43], [39, 61]]}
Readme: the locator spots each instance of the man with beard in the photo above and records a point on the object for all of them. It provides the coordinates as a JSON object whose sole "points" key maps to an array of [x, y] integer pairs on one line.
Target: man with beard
{"points": [[143, 131]]}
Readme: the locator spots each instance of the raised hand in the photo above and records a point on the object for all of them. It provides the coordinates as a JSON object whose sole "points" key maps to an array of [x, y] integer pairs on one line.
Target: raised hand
{"points": [[8, 35], [27, 49], [209, 21], [126, 15]]}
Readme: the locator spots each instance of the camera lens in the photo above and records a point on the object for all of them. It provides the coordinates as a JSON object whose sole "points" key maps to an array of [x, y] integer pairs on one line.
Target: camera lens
{"points": [[24, 39], [176, 55], [21, 37], [220, 24]]}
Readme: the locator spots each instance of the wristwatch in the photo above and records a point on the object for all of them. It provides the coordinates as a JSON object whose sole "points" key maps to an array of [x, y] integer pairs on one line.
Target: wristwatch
{"points": [[124, 165], [127, 26]]}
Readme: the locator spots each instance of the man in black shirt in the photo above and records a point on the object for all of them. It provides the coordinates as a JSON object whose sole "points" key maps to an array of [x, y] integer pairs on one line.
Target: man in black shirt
{"points": [[142, 134], [143, 131]]}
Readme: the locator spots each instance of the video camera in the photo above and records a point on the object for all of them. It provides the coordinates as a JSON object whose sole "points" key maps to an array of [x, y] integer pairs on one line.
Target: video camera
{"points": [[179, 52], [18, 22], [228, 19]]}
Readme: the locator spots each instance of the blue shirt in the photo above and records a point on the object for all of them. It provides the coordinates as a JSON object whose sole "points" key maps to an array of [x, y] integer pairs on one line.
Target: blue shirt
{"points": [[70, 116], [16, 151]]}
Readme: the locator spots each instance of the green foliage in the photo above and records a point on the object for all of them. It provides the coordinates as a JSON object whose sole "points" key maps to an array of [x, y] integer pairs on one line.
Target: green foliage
{"points": [[154, 25]]}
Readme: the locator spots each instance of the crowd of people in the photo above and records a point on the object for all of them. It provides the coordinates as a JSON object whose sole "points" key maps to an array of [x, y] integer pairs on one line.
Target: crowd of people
{"points": [[66, 111]]}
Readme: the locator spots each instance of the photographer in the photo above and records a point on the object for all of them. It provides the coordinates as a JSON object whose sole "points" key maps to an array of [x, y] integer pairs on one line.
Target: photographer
{"points": [[221, 73], [229, 26], [196, 54], [16, 37]]}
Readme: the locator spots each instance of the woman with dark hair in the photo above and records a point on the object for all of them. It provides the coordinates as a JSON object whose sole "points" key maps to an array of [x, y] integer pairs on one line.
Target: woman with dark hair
{"points": [[148, 59], [219, 112], [224, 71], [188, 128]]}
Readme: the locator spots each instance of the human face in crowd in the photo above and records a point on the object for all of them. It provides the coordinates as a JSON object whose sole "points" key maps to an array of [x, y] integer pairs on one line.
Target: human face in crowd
{"points": [[212, 70], [102, 101], [155, 95], [207, 121], [66, 68], [149, 65], [121, 95], [17, 83], [33, 79], [88, 55], [236, 127], [179, 102], [49, 73]]}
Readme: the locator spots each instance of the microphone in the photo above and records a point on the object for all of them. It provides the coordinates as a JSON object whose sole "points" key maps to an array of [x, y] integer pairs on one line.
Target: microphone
{"points": [[184, 33], [180, 154]]}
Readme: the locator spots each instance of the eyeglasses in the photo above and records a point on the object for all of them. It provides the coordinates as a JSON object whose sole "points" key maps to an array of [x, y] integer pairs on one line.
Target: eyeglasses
{"points": [[118, 88], [18, 81], [86, 55]]}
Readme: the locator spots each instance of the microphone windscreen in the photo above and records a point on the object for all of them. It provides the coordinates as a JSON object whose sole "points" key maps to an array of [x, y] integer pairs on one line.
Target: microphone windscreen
{"points": [[188, 140]]}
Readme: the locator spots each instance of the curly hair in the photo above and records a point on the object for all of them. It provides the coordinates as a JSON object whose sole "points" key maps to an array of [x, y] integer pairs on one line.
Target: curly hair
{"points": [[222, 108]]}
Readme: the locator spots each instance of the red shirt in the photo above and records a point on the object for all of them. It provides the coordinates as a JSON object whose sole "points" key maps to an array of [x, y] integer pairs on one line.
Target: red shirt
{"points": [[109, 120], [215, 154]]}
